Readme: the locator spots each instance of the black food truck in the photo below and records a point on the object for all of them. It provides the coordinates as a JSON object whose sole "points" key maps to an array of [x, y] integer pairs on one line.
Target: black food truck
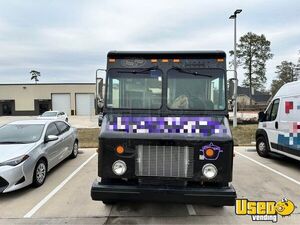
{"points": [[165, 134]]}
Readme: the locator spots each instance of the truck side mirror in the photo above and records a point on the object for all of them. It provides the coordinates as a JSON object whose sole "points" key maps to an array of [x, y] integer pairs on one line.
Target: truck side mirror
{"points": [[100, 118], [99, 95], [261, 116]]}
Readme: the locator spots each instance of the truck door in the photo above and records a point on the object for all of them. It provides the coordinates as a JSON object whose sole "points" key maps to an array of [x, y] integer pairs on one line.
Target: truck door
{"points": [[271, 123]]}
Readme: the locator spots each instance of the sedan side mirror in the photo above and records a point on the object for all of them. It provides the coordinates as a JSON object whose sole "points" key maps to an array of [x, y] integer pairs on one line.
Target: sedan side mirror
{"points": [[51, 138], [261, 116]]}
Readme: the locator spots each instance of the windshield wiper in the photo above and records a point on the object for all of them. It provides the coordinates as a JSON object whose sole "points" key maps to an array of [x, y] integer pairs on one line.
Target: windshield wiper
{"points": [[190, 72], [140, 71], [14, 142]]}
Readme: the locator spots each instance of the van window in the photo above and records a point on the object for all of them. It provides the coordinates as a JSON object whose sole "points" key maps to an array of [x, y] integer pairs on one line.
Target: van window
{"points": [[272, 111]]}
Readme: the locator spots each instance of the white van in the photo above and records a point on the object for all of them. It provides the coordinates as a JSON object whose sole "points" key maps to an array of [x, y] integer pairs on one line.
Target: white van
{"points": [[279, 126]]}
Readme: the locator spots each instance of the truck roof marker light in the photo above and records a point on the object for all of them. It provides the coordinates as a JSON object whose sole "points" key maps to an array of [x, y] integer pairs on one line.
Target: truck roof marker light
{"points": [[112, 60], [154, 60], [176, 60], [120, 149], [220, 60], [165, 60]]}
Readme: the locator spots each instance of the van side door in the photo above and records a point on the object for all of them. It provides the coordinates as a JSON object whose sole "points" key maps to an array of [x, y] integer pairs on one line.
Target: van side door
{"points": [[271, 123]]}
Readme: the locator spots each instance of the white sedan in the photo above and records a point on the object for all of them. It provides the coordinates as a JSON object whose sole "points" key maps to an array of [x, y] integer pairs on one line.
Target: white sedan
{"points": [[54, 115], [31, 148]]}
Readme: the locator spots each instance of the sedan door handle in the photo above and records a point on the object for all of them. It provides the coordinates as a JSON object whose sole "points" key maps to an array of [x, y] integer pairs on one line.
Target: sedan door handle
{"points": [[276, 125]]}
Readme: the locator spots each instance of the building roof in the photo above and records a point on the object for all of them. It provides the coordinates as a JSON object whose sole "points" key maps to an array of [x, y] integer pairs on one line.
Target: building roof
{"points": [[257, 96], [261, 98]]}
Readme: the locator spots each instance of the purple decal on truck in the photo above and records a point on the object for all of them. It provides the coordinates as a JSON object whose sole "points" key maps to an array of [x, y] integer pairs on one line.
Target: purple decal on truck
{"points": [[210, 152], [204, 126]]}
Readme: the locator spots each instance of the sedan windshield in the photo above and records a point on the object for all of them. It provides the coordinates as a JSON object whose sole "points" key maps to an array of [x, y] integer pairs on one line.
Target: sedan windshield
{"points": [[134, 89], [196, 89], [20, 133], [49, 114]]}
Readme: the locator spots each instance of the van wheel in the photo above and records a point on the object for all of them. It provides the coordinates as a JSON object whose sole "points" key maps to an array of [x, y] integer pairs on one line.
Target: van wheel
{"points": [[40, 173], [262, 147], [75, 150]]}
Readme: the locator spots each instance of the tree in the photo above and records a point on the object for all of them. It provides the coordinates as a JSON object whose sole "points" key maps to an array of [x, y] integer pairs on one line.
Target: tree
{"points": [[34, 75], [253, 51], [285, 73]]}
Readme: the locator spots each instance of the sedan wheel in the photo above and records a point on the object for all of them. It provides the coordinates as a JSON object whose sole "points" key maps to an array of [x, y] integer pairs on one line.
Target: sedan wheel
{"points": [[75, 150], [40, 173]]}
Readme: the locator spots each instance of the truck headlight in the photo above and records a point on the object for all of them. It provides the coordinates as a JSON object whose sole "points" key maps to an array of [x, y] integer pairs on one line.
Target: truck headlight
{"points": [[119, 167], [209, 171]]}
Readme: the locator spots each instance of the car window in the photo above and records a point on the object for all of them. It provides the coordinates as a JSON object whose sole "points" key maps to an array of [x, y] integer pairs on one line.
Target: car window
{"points": [[272, 111], [63, 127], [268, 113], [52, 130], [49, 114]]}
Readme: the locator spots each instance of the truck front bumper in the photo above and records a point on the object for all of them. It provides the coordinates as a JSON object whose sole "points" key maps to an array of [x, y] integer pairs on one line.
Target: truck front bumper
{"points": [[209, 196]]}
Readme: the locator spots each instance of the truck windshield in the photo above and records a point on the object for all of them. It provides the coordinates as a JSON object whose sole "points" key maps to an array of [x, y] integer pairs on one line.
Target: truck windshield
{"points": [[134, 89], [196, 89]]}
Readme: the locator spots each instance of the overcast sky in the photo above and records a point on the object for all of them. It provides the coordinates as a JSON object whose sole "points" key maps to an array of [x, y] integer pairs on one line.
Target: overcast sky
{"points": [[68, 40]]}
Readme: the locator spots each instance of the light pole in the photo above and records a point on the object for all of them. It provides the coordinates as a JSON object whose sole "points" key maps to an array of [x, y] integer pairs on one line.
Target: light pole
{"points": [[235, 69]]}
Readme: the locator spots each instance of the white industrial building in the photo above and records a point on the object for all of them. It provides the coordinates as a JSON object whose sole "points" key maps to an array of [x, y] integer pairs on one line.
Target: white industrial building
{"points": [[34, 99]]}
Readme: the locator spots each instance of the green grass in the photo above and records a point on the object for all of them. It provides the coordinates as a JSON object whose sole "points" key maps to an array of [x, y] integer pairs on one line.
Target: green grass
{"points": [[242, 135], [88, 137]]}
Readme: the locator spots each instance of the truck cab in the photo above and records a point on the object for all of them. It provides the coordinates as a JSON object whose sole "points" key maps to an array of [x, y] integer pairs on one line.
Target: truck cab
{"points": [[165, 134]]}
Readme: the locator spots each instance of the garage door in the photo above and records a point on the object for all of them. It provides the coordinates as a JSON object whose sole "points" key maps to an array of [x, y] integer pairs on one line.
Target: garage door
{"points": [[85, 104], [61, 102]]}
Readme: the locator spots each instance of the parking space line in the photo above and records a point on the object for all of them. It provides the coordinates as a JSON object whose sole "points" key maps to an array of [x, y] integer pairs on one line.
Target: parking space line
{"points": [[191, 210], [55, 190], [269, 168]]}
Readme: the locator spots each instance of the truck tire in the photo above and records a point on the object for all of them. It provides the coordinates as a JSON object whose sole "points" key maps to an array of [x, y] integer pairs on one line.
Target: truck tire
{"points": [[262, 147], [108, 202]]}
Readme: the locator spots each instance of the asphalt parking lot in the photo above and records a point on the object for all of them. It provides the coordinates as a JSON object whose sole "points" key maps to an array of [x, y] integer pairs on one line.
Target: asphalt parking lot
{"points": [[65, 196]]}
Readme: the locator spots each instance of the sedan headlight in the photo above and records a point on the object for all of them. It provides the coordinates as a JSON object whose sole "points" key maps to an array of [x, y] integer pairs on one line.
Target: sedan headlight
{"points": [[15, 161]]}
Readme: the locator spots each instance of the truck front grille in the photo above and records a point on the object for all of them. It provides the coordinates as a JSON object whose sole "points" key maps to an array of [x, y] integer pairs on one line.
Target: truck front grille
{"points": [[164, 161]]}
